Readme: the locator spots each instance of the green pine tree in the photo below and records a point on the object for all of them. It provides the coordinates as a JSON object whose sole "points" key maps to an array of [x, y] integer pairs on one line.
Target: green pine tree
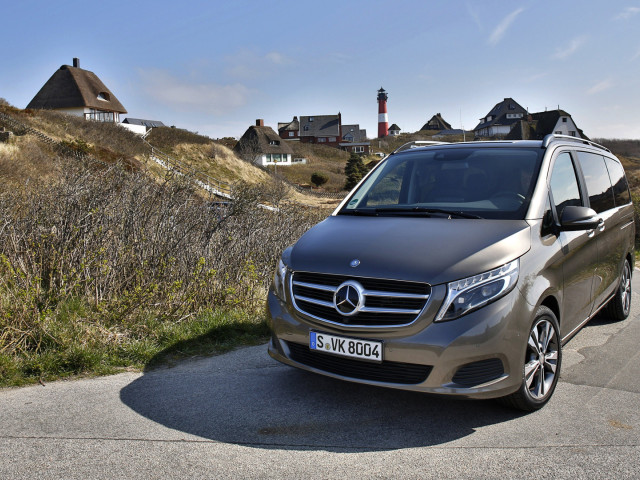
{"points": [[354, 170]]}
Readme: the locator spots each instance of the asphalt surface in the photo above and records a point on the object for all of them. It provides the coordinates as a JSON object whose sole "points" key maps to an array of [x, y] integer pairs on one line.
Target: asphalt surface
{"points": [[243, 415]]}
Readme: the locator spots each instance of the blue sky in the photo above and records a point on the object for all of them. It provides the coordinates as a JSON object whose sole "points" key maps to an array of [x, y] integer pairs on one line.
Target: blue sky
{"points": [[215, 67]]}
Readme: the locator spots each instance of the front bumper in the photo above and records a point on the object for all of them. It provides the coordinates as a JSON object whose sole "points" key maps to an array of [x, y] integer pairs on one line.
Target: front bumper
{"points": [[479, 355]]}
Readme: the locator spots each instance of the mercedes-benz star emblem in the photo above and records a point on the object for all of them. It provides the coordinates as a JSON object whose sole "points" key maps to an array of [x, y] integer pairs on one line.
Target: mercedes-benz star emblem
{"points": [[349, 298], [355, 262]]}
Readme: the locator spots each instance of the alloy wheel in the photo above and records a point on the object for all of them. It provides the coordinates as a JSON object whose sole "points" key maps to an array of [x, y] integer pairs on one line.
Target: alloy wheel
{"points": [[542, 359]]}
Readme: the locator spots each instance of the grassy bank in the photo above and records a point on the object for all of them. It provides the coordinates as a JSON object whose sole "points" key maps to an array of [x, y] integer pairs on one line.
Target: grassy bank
{"points": [[103, 269]]}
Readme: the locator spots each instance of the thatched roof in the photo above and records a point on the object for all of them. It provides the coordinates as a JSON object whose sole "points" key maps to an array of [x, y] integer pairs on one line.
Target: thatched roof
{"points": [[260, 139], [74, 87], [436, 123]]}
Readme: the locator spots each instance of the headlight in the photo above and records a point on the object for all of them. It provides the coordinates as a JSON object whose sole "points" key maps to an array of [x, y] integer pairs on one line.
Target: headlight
{"points": [[279, 280], [468, 294]]}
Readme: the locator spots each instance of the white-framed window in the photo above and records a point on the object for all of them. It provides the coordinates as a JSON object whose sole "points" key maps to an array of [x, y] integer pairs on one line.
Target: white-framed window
{"points": [[332, 139], [321, 139], [358, 149], [291, 134]]}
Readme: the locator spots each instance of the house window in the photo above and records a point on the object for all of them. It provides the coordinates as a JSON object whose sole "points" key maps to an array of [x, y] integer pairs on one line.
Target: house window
{"points": [[558, 132], [274, 142], [101, 116], [573, 133], [104, 96], [306, 128], [358, 149], [332, 139], [291, 134], [322, 139], [564, 119]]}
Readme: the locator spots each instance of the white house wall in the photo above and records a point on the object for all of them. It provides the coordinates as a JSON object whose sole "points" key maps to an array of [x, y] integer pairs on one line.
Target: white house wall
{"points": [[566, 128], [262, 160], [137, 129], [79, 112]]}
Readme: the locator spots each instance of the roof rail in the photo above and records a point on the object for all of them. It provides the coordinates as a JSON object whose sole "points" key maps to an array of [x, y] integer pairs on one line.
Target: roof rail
{"points": [[416, 144], [552, 136]]}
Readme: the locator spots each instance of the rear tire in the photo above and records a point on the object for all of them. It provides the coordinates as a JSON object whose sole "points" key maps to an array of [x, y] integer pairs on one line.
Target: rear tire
{"points": [[541, 364], [620, 305]]}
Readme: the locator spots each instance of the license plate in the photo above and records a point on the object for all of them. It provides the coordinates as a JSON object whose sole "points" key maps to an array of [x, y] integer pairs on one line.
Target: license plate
{"points": [[346, 347]]}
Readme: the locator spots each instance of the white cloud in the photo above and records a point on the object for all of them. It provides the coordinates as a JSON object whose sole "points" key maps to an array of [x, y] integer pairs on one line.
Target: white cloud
{"points": [[247, 64], [600, 87], [184, 95], [574, 45], [473, 13], [627, 13], [504, 25]]}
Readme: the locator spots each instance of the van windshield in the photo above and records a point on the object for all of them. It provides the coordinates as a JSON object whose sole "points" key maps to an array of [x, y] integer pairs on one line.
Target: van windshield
{"points": [[474, 182]]}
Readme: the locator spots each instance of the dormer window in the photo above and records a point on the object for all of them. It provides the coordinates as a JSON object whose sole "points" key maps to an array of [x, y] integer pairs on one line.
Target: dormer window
{"points": [[274, 142], [104, 96]]}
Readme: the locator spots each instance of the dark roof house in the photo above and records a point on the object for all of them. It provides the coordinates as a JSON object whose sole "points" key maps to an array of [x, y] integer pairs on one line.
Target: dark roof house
{"points": [[536, 126], [323, 129], [436, 123], [143, 122], [498, 122], [263, 146], [289, 130], [74, 90], [394, 130]]}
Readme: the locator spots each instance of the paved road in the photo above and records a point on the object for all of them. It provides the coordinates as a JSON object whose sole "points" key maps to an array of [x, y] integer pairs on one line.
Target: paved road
{"points": [[242, 415]]}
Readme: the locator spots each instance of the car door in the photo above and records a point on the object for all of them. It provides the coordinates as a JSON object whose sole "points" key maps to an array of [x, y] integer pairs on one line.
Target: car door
{"points": [[579, 249], [601, 200]]}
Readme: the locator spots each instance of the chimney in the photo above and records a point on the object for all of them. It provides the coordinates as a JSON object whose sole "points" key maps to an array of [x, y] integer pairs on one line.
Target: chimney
{"points": [[260, 122], [76, 62]]}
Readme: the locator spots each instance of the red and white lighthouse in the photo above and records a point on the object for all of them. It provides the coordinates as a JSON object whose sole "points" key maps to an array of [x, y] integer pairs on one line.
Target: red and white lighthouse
{"points": [[383, 117]]}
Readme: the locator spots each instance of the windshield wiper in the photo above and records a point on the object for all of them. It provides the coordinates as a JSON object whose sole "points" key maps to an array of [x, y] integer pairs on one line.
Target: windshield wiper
{"points": [[367, 212], [427, 211]]}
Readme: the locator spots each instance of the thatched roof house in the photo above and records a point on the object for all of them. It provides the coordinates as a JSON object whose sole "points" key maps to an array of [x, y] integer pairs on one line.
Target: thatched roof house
{"points": [[79, 92], [263, 146]]}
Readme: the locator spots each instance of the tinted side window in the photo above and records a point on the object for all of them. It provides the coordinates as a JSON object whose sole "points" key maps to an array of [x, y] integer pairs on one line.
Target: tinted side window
{"points": [[619, 182], [564, 185], [597, 179]]}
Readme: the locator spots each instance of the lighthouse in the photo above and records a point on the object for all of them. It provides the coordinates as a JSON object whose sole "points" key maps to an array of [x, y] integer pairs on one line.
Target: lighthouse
{"points": [[383, 118]]}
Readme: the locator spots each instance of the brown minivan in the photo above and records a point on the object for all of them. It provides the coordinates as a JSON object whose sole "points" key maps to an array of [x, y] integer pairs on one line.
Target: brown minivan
{"points": [[460, 269]]}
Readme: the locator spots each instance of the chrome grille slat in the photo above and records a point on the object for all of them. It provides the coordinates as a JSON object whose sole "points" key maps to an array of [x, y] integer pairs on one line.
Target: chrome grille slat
{"points": [[387, 303]]}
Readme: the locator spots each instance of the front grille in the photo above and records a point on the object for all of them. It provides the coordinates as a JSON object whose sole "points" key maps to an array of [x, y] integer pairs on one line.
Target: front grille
{"points": [[387, 372], [387, 303], [477, 373]]}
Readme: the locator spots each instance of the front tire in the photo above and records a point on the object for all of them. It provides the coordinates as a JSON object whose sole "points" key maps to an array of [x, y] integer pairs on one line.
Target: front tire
{"points": [[541, 365]]}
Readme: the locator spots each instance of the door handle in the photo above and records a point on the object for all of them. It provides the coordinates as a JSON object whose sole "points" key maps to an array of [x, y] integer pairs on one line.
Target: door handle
{"points": [[601, 225]]}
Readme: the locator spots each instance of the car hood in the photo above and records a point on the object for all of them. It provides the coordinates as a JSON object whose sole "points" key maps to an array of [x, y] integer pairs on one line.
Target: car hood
{"points": [[432, 250]]}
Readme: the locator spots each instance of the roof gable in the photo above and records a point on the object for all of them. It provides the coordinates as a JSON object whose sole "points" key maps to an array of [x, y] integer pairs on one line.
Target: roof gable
{"points": [[74, 87]]}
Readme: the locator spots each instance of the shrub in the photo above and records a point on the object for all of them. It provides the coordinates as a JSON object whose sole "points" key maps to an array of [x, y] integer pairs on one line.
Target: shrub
{"points": [[319, 179]]}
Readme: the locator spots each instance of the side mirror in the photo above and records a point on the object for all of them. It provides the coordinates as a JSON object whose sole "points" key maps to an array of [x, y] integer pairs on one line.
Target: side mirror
{"points": [[578, 218]]}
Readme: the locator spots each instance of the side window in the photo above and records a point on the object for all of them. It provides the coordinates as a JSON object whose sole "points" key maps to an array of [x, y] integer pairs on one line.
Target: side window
{"points": [[597, 180], [619, 182], [564, 184], [387, 190]]}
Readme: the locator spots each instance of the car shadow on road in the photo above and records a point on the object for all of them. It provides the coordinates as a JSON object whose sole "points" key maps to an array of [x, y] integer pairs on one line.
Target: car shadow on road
{"points": [[258, 402]]}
